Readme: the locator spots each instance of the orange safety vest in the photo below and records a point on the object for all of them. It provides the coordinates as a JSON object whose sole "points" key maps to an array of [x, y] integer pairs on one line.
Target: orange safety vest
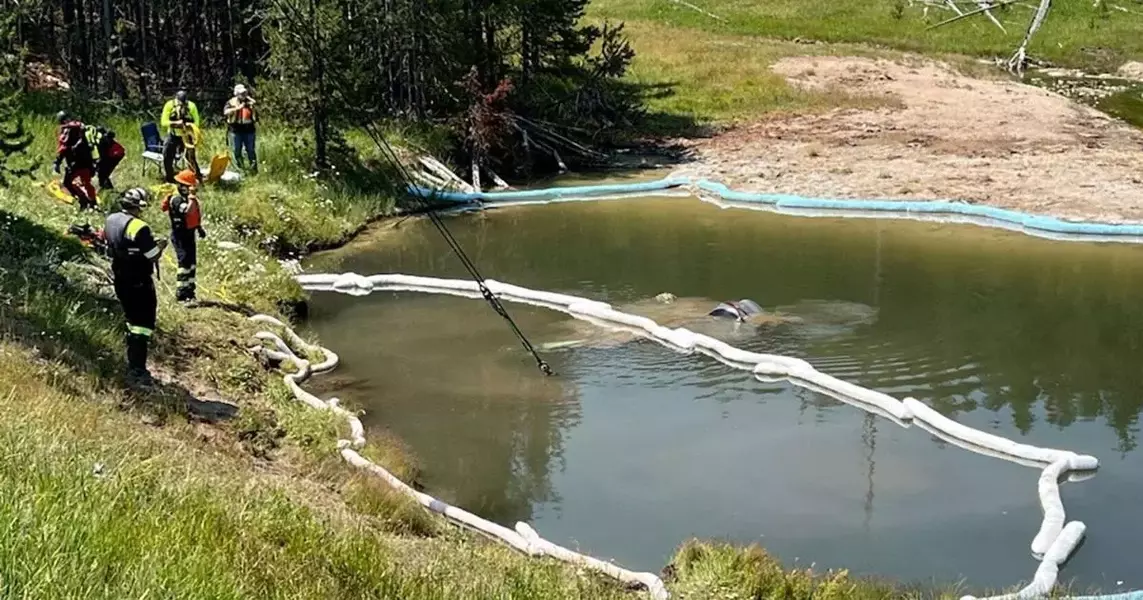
{"points": [[243, 116], [192, 219]]}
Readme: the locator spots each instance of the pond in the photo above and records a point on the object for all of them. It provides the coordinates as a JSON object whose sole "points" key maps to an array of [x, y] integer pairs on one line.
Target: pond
{"points": [[631, 448]]}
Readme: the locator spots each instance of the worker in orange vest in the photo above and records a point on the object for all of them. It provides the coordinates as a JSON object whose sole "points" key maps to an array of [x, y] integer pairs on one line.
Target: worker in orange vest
{"points": [[186, 221], [242, 118]]}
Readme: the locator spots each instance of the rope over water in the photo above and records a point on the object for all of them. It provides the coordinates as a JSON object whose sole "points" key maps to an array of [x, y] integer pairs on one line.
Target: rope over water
{"points": [[431, 208], [291, 13]]}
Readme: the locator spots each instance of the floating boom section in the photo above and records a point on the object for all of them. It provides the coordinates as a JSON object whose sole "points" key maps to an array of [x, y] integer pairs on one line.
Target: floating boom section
{"points": [[940, 211]]}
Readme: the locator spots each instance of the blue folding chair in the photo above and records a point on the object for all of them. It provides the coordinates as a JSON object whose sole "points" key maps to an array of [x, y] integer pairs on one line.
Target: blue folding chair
{"points": [[152, 145]]}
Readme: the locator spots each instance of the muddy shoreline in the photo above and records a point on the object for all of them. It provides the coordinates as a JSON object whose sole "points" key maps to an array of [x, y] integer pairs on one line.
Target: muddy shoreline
{"points": [[946, 136]]}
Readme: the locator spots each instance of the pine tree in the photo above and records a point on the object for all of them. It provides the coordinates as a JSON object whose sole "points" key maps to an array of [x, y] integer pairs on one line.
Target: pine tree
{"points": [[307, 65]]}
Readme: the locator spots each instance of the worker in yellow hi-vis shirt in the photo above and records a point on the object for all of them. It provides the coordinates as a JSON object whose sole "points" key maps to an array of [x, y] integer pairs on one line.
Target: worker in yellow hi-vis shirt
{"points": [[180, 118]]}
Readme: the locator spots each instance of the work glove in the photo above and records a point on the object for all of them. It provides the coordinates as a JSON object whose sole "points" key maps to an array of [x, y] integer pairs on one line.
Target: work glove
{"points": [[201, 233], [56, 167]]}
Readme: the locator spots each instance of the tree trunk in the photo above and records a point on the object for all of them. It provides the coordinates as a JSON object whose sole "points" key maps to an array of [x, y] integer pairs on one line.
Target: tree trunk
{"points": [[69, 19], [143, 67], [490, 49], [109, 44], [85, 57], [525, 53], [321, 120], [228, 47]]}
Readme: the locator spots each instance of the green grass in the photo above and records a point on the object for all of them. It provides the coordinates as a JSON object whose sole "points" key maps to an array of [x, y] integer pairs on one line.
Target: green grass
{"points": [[718, 72], [94, 505], [716, 570], [719, 78], [1075, 33]]}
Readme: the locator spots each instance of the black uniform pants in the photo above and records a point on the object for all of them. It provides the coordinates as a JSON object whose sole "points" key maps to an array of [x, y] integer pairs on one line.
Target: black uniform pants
{"points": [[107, 164], [171, 148], [137, 297], [186, 250]]}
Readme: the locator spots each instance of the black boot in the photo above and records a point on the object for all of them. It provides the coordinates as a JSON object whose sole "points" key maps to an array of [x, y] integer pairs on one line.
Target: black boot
{"points": [[137, 373]]}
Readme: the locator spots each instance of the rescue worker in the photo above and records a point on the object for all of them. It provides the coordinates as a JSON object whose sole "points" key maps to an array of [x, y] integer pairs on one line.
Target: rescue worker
{"points": [[74, 148], [186, 221], [241, 119], [134, 252], [178, 114], [109, 153]]}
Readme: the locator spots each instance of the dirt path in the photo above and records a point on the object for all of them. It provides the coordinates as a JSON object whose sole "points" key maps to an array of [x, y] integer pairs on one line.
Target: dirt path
{"points": [[949, 136]]}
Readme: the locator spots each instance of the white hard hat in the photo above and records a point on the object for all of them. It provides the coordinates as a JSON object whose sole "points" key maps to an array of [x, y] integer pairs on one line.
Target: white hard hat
{"points": [[239, 89], [134, 198]]}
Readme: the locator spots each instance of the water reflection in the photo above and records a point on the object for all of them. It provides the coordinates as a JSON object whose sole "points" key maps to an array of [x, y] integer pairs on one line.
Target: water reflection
{"points": [[969, 317], [487, 428], [1024, 337]]}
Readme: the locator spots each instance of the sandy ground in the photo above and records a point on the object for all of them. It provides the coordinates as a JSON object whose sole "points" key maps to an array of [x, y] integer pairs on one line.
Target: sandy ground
{"points": [[948, 137]]}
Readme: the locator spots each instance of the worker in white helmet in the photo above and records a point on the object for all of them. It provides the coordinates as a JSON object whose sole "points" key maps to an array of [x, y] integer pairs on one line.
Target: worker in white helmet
{"points": [[241, 119]]}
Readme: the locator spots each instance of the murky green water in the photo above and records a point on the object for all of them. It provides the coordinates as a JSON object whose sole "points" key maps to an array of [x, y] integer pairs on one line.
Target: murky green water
{"points": [[1127, 105], [632, 448]]}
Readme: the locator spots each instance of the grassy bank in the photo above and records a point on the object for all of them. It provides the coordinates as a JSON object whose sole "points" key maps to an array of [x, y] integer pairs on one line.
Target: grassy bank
{"points": [[1079, 34], [718, 70], [96, 505], [719, 78], [218, 484]]}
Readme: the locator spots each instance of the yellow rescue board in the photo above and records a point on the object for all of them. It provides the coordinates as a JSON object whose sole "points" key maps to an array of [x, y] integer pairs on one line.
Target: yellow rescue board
{"points": [[218, 166], [55, 188]]}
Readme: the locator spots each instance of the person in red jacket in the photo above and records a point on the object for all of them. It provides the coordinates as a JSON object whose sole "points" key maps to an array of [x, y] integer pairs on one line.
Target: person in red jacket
{"points": [[109, 151], [186, 221], [76, 150]]}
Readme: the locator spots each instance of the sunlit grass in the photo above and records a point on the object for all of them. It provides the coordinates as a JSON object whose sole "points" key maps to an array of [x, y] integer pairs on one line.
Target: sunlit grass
{"points": [[716, 570], [1076, 33], [718, 78], [718, 71], [95, 505]]}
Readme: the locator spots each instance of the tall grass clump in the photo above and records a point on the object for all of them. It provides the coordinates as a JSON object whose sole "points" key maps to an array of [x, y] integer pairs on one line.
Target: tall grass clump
{"points": [[717, 570]]}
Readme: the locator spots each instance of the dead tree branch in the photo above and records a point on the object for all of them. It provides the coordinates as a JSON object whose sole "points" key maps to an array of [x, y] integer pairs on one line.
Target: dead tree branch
{"points": [[984, 8], [988, 11], [1019, 59]]}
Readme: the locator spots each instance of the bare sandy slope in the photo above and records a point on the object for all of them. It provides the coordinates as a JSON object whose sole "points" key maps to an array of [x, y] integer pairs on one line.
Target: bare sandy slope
{"points": [[949, 137]]}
